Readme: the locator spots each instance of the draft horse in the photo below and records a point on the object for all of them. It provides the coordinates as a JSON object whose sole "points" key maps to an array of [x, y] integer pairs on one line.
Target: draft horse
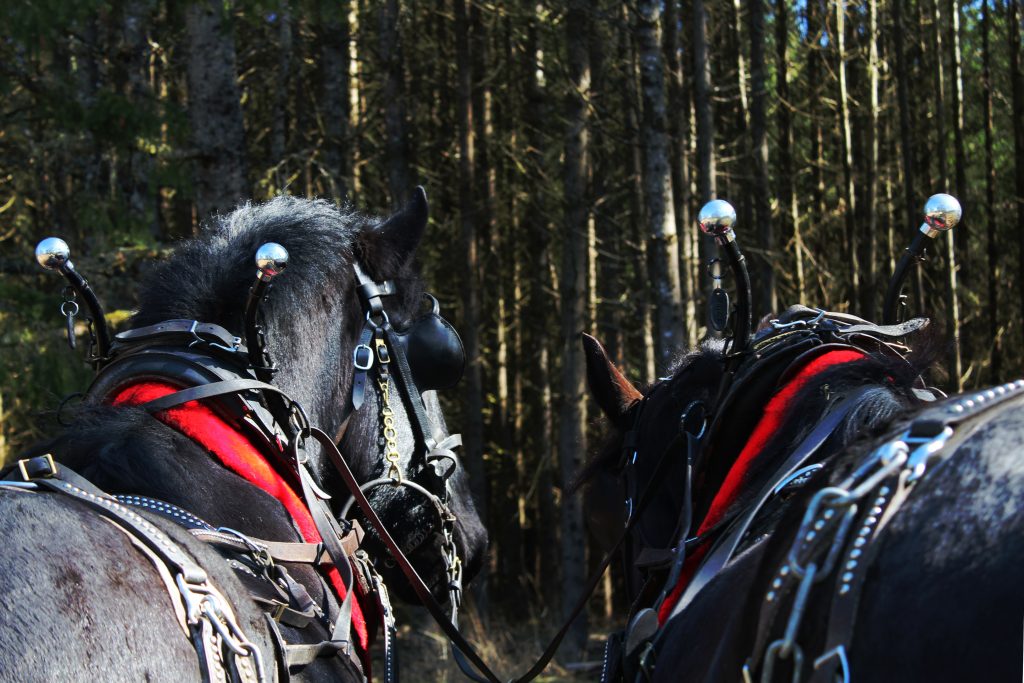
{"points": [[185, 524], [800, 506]]}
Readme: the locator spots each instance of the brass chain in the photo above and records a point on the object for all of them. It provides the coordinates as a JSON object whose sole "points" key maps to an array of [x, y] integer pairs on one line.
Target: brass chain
{"points": [[391, 455]]}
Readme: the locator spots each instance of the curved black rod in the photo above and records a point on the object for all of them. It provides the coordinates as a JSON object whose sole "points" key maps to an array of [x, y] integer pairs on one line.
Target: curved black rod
{"points": [[913, 254], [99, 319], [254, 341], [744, 309]]}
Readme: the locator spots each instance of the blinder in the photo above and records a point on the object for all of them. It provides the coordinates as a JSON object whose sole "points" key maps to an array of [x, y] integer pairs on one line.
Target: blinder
{"points": [[434, 350]]}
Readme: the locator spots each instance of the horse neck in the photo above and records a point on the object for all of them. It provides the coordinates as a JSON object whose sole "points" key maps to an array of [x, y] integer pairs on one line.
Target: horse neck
{"points": [[788, 418]]}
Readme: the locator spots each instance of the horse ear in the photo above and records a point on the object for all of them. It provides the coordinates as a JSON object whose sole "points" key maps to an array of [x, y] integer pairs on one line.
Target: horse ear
{"points": [[404, 230], [612, 391]]}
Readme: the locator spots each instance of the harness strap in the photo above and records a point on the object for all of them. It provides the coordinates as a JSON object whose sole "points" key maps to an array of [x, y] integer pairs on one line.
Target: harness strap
{"points": [[330, 533], [203, 391], [282, 551], [207, 332], [362, 360], [723, 550], [411, 393]]}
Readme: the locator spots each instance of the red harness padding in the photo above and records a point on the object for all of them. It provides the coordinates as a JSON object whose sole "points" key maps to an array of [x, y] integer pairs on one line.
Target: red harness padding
{"points": [[774, 415], [237, 453]]}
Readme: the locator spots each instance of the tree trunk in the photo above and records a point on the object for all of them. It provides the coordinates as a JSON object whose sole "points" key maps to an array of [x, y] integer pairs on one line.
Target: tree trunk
{"points": [[869, 298], [606, 271], [136, 175], [849, 196], [661, 222], [737, 176], [536, 113], [572, 416], [334, 56], [704, 113], [400, 179], [815, 18], [790, 209], [952, 296], [1017, 79], [678, 130], [215, 110], [283, 97], [960, 153], [642, 294], [906, 146], [766, 301], [706, 185], [474, 427], [995, 353]]}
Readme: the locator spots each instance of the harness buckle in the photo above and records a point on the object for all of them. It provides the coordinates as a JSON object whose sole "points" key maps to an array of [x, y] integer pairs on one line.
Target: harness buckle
{"points": [[383, 355], [278, 611], [39, 467], [362, 357]]}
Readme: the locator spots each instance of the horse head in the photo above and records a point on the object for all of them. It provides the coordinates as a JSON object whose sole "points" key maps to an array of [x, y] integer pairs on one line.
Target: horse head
{"points": [[312, 319], [643, 451]]}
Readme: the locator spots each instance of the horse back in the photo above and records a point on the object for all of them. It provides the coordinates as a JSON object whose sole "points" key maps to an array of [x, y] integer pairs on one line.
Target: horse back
{"points": [[943, 599], [81, 602]]}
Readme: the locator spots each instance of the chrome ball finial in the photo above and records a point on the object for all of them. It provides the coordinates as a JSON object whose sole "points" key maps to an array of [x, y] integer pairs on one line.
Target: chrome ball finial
{"points": [[52, 253], [271, 260], [941, 213], [717, 218]]}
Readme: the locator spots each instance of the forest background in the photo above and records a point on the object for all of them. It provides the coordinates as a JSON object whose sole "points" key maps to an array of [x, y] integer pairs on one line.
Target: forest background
{"points": [[566, 148]]}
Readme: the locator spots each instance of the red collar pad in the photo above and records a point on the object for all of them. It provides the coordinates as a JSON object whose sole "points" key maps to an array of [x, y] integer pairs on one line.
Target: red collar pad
{"points": [[236, 453], [774, 414]]}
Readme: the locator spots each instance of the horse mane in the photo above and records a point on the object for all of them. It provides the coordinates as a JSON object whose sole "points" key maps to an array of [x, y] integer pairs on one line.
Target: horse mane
{"points": [[208, 277], [891, 398], [893, 377]]}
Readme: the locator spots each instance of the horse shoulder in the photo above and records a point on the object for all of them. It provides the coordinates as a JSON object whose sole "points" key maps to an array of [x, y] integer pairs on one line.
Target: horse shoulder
{"points": [[946, 583]]}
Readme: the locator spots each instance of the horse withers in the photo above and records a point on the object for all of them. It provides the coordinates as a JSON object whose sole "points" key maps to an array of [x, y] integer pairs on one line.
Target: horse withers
{"points": [[84, 596], [818, 515]]}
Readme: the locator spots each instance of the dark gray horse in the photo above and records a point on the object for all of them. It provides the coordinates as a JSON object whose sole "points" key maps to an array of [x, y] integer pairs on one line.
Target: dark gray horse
{"points": [[79, 600]]}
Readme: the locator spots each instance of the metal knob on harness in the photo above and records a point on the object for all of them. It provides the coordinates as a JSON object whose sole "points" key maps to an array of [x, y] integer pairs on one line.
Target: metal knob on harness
{"points": [[271, 260], [52, 253], [941, 213], [717, 218]]}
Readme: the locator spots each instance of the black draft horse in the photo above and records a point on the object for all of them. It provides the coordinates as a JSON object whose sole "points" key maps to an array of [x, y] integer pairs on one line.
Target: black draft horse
{"points": [[926, 588], [81, 602]]}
